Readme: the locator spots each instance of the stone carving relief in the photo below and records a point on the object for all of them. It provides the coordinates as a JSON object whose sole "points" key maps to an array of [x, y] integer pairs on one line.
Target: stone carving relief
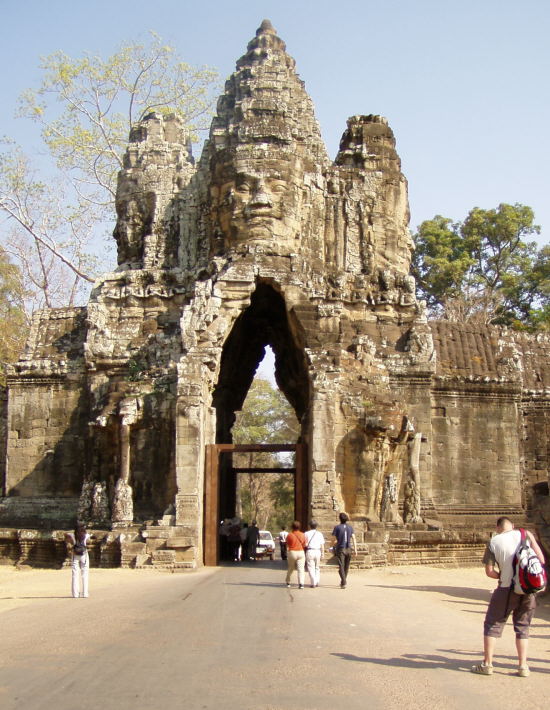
{"points": [[411, 502], [255, 205], [123, 505], [509, 359], [378, 449], [388, 508], [420, 345], [99, 510], [85, 501], [93, 505]]}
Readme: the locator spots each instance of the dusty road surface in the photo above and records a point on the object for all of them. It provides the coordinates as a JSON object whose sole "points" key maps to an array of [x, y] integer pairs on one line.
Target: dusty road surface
{"points": [[236, 637]]}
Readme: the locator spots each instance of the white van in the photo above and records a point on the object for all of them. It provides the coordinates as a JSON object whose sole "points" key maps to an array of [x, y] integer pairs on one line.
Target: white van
{"points": [[266, 546]]}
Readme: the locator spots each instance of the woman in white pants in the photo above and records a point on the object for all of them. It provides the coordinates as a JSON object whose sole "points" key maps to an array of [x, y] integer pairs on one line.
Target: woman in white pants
{"points": [[295, 545], [315, 548], [80, 563]]}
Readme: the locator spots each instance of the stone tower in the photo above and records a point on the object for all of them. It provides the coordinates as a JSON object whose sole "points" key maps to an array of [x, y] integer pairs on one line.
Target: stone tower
{"points": [[267, 242]]}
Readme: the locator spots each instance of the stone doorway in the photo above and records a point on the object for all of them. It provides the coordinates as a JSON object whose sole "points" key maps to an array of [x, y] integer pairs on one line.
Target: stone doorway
{"points": [[265, 322], [220, 478]]}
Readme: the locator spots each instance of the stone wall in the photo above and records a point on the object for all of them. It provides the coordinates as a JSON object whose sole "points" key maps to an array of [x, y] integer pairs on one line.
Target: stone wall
{"points": [[47, 424], [422, 431]]}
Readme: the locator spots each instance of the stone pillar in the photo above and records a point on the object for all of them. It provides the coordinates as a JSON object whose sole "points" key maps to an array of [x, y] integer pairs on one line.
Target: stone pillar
{"points": [[325, 491], [195, 427], [123, 505], [124, 444]]}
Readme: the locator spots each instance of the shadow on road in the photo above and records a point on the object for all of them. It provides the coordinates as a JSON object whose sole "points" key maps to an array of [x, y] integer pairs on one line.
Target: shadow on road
{"points": [[475, 594], [249, 564], [501, 663], [411, 660], [481, 595], [427, 661], [43, 596], [543, 608], [255, 584]]}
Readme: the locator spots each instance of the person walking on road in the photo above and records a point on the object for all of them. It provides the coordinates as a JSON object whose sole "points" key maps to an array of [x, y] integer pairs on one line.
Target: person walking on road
{"points": [[315, 549], [234, 538], [80, 563], [295, 545], [282, 542], [343, 537], [501, 552], [252, 540]]}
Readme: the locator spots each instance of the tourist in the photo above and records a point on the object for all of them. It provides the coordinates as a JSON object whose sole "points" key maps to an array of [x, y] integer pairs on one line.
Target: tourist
{"points": [[501, 551], [234, 538], [282, 542], [80, 563], [315, 548], [343, 536], [295, 546], [252, 540], [243, 550]]}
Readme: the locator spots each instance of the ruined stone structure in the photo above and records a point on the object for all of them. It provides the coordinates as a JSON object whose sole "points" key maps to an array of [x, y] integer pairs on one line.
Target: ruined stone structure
{"points": [[422, 431]]}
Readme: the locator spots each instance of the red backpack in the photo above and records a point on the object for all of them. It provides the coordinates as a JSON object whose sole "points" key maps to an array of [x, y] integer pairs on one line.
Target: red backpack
{"points": [[529, 574]]}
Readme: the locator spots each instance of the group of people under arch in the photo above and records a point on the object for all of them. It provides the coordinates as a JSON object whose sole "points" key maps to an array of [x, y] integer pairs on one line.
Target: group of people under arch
{"points": [[238, 540]]}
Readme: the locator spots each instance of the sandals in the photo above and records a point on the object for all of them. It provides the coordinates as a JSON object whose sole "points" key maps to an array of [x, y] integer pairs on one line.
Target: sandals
{"points": [[482, 669]]}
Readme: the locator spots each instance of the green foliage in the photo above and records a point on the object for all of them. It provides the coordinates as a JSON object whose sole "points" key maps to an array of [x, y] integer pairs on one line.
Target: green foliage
{"points": [[266, 418], [13, 322], [135, 370], [484, 268], [282, 492], [441, 260]]}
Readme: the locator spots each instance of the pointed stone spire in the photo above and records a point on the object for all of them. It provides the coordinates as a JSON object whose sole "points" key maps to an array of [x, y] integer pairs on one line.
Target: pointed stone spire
{"points": [[265, 103], [369, 143], [266, 38], [265, 157], [266, 28]]}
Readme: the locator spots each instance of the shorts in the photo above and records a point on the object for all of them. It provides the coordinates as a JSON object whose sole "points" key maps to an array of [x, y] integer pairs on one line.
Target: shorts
{"points": [[503, 601]]}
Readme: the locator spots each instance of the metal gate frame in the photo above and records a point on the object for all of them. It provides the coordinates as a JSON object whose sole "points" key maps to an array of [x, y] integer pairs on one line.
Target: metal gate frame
{"points": [[212, 488]]}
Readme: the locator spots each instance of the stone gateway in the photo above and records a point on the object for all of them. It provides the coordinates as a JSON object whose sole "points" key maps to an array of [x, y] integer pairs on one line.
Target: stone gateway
{"points": [[119, 412]]}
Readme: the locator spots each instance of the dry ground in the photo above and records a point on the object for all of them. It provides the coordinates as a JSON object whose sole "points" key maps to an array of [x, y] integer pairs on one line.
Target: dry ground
{"points": [[234, 636]]}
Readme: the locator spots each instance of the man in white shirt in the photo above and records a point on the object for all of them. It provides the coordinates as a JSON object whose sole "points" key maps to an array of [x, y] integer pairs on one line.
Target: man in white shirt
{"points": [[282, 542], [500, 552], [314, 552]]}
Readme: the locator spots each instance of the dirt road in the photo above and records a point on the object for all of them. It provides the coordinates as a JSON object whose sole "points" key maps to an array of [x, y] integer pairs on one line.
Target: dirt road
{"points": [[236, 637]]}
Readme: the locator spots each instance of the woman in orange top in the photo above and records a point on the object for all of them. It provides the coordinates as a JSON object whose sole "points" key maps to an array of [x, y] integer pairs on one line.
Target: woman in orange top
{"points": [[295, 545]]}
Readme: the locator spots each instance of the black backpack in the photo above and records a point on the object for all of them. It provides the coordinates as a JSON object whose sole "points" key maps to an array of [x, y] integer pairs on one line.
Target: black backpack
{"points": [[79, 548]]}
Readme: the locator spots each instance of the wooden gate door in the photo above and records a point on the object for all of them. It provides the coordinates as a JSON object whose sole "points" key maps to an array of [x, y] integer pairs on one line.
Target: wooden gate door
{"points": [[212, 487]]}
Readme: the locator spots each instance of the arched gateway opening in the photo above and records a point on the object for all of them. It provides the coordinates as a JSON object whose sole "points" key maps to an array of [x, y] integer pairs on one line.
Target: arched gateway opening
{"points": [[264, 323]]}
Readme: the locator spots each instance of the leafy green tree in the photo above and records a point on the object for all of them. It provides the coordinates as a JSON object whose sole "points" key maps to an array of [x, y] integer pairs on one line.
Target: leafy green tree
{"points": [[85, 108], [482, 269], [266, 418], [13, 322], [282, 493], [441, 260]]}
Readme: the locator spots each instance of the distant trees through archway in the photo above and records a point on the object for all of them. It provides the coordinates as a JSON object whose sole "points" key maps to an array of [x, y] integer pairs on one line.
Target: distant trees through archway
{"points": [[265, 418]]}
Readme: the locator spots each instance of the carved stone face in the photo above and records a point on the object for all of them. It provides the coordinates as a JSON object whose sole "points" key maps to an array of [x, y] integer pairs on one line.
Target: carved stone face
{"points": [[258, 201]]}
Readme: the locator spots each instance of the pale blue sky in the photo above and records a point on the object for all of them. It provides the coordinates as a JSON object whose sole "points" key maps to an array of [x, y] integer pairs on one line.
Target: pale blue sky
{"points": [[464, 84]]}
